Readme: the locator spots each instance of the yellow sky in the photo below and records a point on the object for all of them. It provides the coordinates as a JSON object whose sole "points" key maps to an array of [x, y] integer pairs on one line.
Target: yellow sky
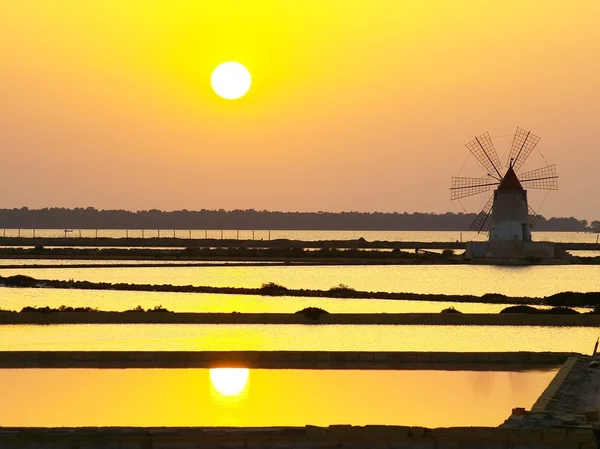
{"points": [[355, 104]]}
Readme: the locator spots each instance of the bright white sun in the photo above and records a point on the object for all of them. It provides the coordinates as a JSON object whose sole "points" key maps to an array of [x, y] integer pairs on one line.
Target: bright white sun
{"points": [[229, 381], [231, 80]]}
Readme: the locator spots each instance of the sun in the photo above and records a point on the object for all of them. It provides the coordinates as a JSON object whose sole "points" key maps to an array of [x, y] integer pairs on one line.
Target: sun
{"points": [[229, 381], [231, 80]]}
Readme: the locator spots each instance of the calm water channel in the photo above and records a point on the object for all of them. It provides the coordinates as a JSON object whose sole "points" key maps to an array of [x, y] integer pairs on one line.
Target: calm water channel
{"points": [[241, 397], [533, 281], [17, 298], [167, 337]]}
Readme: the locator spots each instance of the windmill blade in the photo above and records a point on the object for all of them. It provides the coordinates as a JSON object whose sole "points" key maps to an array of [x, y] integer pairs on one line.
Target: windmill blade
{"points": [[483, 149], [544, 178], [534, 217], [483, 221], [523, 144], [463, 187]]}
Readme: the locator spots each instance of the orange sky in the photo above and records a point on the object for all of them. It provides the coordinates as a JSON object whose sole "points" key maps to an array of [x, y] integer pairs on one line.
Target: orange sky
{"points": [[355, 104]]}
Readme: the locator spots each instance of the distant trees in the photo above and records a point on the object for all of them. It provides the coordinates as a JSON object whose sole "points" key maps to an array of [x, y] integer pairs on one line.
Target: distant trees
{"points": [[560, 224], [91, 218]]}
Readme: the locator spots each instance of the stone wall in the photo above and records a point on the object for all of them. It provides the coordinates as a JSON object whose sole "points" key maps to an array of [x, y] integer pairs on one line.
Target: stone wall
{"points": [[337, 436], [548, 394], [282, 359]]}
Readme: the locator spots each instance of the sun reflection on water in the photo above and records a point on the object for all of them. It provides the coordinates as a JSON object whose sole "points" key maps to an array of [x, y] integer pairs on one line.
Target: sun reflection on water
{"points": [[229, 381]]}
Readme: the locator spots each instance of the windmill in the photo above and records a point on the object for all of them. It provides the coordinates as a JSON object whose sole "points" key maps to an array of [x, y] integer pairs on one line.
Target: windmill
{"points": [[507, 214]]}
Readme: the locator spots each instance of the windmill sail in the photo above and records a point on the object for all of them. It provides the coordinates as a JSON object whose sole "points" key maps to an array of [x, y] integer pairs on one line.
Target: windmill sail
{"points": [[464, 187], [483, 149], [510, 199], [483, 220], [544, 178], [534, 217], [523, 144]]}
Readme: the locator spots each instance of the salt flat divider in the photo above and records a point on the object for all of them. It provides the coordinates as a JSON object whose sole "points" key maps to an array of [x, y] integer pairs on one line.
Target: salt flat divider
{"points": [[475, 361], [441, 319]]}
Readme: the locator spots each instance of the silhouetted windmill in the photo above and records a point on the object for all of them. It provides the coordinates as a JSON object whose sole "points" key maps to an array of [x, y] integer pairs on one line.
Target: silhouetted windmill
{"points": [[507, 215]]}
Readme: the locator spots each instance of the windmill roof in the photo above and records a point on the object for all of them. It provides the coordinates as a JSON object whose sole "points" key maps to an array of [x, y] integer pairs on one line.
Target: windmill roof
{"points": [[510, 181]]}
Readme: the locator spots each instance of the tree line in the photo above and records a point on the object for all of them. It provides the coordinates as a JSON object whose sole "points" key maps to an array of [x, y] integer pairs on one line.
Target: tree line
{"points": [[91, 218]]}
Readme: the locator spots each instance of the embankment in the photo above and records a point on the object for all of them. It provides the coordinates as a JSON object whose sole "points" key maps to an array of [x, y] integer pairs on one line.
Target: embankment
{"points": [[351, 252], [568, 299], [335, 436], [448, 319], [484, 361]]}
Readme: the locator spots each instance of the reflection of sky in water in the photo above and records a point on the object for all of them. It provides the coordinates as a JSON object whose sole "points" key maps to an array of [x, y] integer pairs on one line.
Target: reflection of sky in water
{"points": [[229, 393], [187, 397], [229, 381], [227, 337], [17, 298], [534, 281]]}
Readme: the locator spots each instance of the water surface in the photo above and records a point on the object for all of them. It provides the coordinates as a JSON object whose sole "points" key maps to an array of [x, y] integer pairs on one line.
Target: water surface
{"points": [[202, 397], [17, 298], [533, 281], [230, 337]]}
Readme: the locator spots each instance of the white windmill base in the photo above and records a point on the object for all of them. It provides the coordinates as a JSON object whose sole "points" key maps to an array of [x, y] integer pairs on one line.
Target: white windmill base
{"points": [[516, 249]]}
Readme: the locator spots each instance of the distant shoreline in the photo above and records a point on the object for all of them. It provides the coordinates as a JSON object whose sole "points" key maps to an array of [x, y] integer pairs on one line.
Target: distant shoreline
{"points": [[91, 218]]}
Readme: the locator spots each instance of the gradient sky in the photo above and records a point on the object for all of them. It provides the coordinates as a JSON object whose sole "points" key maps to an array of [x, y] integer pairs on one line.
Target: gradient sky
{"points": [[355, 105]]}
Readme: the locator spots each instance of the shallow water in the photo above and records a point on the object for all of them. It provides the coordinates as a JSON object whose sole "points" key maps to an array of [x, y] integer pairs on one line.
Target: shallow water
{"points": [[533, 281], [17, 298], [202, 397], [226, 337]]}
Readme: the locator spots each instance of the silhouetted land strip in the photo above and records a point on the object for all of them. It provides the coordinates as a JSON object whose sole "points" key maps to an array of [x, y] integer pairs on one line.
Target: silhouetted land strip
{"points": [[483, 361], [333, 436], [159, 315], [200, 244], [566, 299], [321, 252], [150, 265], [91, 218]]}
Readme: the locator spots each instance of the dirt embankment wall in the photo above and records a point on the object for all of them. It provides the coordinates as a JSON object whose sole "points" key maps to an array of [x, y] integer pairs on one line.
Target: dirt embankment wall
{"points": [[336, 436], [454, 319], [282, 359]]}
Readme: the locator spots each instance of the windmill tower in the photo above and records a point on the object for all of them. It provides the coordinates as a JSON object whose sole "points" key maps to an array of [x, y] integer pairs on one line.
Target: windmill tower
{"points": [[506, 215]]}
